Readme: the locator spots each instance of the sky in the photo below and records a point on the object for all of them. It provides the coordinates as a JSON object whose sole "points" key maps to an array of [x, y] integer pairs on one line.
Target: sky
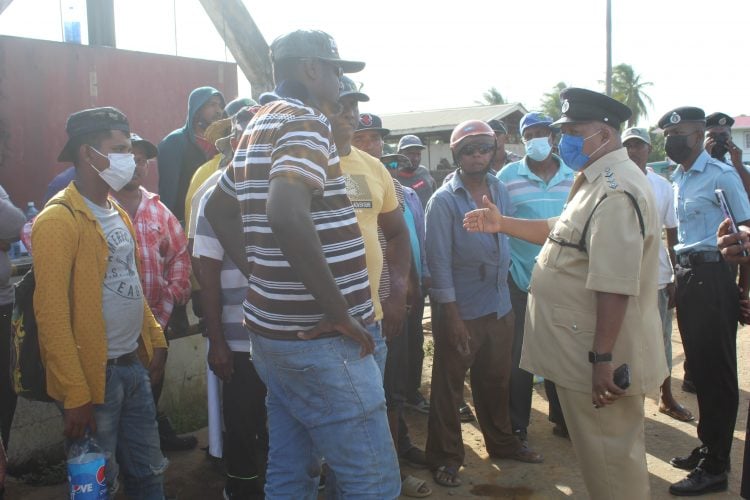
{"points": [[424, 54]]}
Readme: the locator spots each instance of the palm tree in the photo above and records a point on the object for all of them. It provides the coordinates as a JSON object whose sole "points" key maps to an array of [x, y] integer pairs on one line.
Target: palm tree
{"points": [[551, 101], [492, 97], [628, 88]]}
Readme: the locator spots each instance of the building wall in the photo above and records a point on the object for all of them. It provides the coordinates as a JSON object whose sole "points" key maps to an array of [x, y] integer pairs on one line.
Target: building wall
{"points": [[42, 82], [741, 137]]}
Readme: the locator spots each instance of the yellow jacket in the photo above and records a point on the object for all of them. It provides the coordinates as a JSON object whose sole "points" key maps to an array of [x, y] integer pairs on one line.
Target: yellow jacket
{"points": [[70, 254]]}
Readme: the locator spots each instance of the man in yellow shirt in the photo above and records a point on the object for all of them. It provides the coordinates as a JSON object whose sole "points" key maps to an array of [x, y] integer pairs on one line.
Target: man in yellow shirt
{"points": [[100, 343]]}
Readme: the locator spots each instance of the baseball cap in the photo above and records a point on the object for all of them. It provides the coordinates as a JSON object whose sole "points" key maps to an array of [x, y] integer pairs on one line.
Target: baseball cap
{"points": [[636, 133], [151, 150], [368, 121], [347, 87], [498, 126], [392, 161], [534, 118], [410, 141], [311, 43], [88, 121], [237, 104]]}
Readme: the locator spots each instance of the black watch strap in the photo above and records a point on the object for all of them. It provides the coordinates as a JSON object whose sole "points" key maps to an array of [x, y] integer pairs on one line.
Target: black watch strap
{"points": [[599, 357]]}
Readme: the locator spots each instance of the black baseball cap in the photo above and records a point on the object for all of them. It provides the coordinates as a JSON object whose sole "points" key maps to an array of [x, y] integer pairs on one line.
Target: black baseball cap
{"points": [[368, 121], [583, 105], [88, 121], [311, 43], [137, 140], [498, 126], [347, 87]]}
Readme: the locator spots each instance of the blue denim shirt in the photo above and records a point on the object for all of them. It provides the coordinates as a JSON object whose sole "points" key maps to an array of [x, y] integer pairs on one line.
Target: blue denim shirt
{"points": [[470, 269], [698, 212]]}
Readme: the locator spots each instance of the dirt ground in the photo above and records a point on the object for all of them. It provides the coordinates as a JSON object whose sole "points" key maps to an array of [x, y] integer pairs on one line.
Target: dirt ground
{"points": [[192, 477]]}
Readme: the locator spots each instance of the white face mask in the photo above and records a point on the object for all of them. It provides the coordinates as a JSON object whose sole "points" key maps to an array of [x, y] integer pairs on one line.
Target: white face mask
{"points": [[120, 170], [538, 148]]}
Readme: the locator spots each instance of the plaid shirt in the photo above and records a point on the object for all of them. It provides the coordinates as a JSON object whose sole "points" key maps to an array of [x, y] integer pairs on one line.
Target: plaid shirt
{"points": [[165, 262]]}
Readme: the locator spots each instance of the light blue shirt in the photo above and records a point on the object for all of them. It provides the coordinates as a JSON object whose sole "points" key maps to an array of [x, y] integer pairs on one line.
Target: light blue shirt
{"points": [[532, 198], [470, 269], [698, 212]]}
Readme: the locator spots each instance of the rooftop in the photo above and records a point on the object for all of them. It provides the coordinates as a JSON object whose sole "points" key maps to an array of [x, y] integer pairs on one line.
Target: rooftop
{"points": [[440, 120]]}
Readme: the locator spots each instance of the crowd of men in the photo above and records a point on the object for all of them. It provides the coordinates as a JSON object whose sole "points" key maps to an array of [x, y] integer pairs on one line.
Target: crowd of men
{"points": [[309, 253]]}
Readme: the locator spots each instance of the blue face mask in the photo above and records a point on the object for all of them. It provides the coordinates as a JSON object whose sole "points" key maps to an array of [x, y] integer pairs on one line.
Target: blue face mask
{"points": [[538, 148], [571, 150]]}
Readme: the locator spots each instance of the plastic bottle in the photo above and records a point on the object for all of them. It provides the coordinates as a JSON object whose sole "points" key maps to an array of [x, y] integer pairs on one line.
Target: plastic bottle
{"points": [[86, 467], [31, 211]]}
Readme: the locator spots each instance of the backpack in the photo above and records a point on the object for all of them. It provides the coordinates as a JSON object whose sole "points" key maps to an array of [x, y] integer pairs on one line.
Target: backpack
{"points": [[27, 374]]}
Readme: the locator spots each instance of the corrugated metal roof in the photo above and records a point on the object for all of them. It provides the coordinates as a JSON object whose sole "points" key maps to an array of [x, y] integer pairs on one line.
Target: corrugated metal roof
{"points": [[439, 120], [741, 121]]}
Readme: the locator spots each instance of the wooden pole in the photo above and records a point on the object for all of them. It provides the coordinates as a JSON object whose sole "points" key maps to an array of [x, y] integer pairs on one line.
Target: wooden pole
{"points": [[244, 40]]}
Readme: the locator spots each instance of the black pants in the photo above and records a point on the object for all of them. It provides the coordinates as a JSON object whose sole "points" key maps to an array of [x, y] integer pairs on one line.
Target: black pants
{"points": [[416, 348], [7, 394], [707, 314], [521, 381], [246, 437]]}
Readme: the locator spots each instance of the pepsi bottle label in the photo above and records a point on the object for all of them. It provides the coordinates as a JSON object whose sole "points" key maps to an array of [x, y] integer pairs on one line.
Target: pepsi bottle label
{"points": [[86, 476]]}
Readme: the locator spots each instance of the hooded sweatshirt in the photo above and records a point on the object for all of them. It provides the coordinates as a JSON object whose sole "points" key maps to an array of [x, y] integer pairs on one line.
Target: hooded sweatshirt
{"points": [[180, 155]]}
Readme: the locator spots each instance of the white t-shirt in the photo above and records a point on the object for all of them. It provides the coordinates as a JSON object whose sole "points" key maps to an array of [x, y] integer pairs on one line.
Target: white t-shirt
{"points": [[665, 211]]}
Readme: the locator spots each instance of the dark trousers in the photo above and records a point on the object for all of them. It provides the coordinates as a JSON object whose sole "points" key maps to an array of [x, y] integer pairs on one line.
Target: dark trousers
{"points": [[489, 360], [395, 375], [521, 381], [745, 485], [707, 314], [7, 394], [246, 437], [416, 348]]}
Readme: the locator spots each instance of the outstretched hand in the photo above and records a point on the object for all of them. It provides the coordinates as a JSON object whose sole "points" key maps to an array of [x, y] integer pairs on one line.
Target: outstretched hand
{"points": [[484, 220]]}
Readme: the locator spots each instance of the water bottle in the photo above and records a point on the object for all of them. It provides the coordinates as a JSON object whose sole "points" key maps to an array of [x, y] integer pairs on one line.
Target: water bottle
{"points": [[86, 467], [31, 211]]}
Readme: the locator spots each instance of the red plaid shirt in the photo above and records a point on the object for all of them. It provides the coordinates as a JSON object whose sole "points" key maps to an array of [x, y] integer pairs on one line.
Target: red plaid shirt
{"points": [[165, 262]]}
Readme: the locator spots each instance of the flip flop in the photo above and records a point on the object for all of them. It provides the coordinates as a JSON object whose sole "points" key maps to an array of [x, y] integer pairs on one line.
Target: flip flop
{"points": [[678, 412], [414, 487], [450, 470]]}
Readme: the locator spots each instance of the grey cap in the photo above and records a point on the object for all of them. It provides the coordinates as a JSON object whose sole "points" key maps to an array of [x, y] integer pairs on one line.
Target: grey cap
{"points": [[637, 133], [151, 150], [410, 141], [314, 44], [347, 87]]}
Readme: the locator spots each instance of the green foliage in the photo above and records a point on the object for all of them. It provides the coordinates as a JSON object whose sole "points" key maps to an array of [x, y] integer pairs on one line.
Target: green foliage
{"points": [[550, 103], [628, 88], [657, 146], [492, 97]]}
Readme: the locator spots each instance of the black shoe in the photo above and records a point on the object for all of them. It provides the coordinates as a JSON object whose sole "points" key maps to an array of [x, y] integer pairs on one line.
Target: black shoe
{"points": [[688, 386], [689, 462], [560, 431], [699, 482], [465, 414], [169, 440]]}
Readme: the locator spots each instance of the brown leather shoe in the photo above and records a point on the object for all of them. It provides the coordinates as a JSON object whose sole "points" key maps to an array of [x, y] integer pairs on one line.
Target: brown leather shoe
{"points": [[523, 454]]}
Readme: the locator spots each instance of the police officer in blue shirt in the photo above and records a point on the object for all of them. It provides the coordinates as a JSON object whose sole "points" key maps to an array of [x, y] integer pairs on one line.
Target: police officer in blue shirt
{"points": [[707, 296]]}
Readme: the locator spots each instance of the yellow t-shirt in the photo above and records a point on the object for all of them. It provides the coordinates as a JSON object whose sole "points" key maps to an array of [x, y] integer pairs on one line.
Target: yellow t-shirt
{"points": [[199, 177], [370, 188]]}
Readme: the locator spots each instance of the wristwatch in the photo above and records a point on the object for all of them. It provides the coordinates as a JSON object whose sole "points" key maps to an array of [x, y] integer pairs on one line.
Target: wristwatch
{"points": [[599, 357]]}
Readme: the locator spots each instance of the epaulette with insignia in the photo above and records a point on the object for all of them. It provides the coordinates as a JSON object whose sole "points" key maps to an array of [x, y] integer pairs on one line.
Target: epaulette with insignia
{"points": [[609, 178]]}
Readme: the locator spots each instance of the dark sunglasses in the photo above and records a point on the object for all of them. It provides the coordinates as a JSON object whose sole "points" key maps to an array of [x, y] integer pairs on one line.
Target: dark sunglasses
{"points": [[482, 149]]}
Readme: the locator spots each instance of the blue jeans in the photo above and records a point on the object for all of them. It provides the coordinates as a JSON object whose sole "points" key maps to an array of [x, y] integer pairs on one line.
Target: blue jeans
{"points": [[324, 400], [126, 429]]}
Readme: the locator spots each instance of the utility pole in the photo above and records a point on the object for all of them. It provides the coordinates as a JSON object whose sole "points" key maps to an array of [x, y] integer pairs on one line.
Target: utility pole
{"points": [[608, 88]]}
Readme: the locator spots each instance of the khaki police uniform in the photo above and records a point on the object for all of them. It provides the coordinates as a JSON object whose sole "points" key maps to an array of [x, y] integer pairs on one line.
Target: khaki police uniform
{"points": [[600, 244]]}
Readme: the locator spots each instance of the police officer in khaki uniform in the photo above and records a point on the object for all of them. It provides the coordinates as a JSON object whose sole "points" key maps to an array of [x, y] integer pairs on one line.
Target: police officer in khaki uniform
{"points": [[592, 299]]}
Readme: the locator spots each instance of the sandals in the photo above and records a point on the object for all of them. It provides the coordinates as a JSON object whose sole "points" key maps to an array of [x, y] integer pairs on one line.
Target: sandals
{"points": [[447, 475], [678, 412], [465, 414], [414, 487]]}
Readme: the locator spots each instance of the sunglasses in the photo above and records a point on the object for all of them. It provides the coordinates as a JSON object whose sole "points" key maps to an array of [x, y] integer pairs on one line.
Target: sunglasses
{"points": [[482, 149]]}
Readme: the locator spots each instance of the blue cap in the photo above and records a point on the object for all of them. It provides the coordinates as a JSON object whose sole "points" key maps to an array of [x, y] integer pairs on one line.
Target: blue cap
{"points": [[410, 141], [534, 118]]}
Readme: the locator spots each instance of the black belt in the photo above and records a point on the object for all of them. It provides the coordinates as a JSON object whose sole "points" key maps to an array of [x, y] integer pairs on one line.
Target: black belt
{"points": [[125, 360], [692, 259]]}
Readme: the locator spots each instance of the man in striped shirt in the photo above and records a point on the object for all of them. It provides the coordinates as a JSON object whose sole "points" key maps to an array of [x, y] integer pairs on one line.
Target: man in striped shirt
{"points": [[282, 214]]}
